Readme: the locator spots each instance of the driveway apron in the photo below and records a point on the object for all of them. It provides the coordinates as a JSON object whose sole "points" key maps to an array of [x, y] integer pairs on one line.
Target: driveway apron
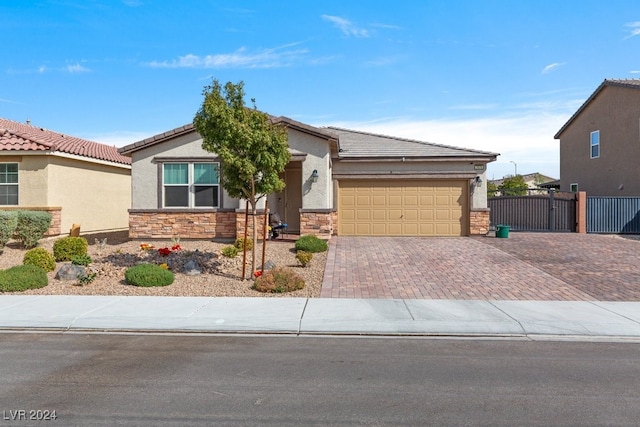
{"points": [[525, 266]]}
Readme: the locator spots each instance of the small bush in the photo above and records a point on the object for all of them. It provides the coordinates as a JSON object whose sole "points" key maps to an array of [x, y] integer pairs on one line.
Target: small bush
{"points": [[311, 243], [304, 257], [230, 251], [239, 243], [68, 247], [87, 278], [31, 227], [83, 260], [8, 224], [148, 275], [278, 280], [22, 277], [40, 257]]}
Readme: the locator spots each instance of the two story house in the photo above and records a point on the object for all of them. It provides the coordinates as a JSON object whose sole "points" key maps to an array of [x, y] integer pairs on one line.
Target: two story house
{"points": [[600, 143]]}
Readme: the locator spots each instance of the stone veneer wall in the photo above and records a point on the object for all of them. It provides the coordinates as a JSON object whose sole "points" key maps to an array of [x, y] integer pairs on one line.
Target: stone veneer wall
{"points": [[319, 223], [334, 219], [56, 217], [240, 220], [479, 222], [156, 224]]}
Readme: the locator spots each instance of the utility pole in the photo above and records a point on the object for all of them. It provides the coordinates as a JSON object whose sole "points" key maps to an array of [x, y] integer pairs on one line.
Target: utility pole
{"points": [[516, 167]]}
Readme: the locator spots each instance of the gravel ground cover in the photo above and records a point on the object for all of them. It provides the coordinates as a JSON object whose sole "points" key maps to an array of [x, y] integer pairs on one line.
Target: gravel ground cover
{"points": [[221, 276]]}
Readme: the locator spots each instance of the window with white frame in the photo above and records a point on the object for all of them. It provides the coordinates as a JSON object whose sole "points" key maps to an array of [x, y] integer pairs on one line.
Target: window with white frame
{"points": [[8, 184], [190, 185], [573, 187], [595, 144]]}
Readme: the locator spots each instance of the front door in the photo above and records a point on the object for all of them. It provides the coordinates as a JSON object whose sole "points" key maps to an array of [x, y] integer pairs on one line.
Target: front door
{"points": [[290, 199]]}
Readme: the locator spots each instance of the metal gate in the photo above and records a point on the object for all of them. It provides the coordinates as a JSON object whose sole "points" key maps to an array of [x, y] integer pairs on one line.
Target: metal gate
{"points": [[554, 212], [619, 215]]}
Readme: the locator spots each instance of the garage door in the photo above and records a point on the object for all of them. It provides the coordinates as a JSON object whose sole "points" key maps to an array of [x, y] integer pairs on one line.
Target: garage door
{"points": [[403, 208]]}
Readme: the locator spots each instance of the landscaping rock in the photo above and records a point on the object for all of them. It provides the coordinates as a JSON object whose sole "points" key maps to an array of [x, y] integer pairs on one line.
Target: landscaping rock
{"points": [[70, 272], [269, 265], [192, 268]]}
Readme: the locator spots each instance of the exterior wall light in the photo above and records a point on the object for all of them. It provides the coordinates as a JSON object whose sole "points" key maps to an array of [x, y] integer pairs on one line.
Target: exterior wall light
{"points": [[478, 181], [314, 175]]}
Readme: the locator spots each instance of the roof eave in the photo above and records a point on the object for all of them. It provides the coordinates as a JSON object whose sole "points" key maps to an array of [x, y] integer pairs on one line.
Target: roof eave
{"points": [[606, 82], [127, 150]]}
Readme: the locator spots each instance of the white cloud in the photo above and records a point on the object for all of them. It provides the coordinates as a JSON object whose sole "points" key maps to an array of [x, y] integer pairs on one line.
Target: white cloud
{"points": [[346, 26], [526, 139], [266, 58], [634, 29], [76, 68], [551, 67]]}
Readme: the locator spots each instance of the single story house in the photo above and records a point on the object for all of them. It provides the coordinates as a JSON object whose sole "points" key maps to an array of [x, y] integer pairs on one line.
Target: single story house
{"points": [[76, 180], [534, 181], [338, 182]]}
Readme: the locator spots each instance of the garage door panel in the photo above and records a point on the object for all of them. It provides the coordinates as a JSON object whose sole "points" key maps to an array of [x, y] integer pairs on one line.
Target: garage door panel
{"points": [[378, 214], [394, 229], [363, 215], [394, 200], [403, 207], [411, 215], [394, 214]]}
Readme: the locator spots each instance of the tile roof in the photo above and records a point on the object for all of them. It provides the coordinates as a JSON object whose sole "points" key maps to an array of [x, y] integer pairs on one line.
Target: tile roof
{"points": [[627, 83], [15, 136], [358, 144]]}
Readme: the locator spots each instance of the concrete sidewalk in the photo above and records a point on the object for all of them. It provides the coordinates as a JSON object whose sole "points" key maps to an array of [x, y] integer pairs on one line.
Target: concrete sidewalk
{"points": [[302, 316]]}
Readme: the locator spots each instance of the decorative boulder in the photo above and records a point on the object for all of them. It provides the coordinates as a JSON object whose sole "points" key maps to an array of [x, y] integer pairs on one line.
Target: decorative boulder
{"points": [[70, 272], [192, 268], [269, 265]]}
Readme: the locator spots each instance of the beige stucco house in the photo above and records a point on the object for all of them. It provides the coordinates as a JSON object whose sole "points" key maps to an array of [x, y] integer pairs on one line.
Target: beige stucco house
{"points": [[338, 182], [77, 181], [600, 143]]}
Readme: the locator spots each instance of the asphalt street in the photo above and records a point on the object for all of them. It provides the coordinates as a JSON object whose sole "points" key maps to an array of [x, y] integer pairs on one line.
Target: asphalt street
{"points": [[150, 380]]}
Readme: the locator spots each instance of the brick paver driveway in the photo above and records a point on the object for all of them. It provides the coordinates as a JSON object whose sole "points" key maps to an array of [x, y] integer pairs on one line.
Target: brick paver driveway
{"points": [[525, 266]]}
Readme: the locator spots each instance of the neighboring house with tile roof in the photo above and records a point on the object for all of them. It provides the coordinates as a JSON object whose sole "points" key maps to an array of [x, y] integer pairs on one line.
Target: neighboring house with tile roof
{"points": [[78, 181], [600, 143], [338, 181], [534, 181]]}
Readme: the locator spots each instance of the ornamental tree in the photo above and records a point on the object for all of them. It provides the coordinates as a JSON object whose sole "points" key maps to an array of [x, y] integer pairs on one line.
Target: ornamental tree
{"points": [[514, 186], [253, 150]]}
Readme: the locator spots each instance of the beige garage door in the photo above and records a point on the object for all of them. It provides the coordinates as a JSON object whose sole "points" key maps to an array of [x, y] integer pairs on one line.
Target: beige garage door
{"points": [[403, 208]]}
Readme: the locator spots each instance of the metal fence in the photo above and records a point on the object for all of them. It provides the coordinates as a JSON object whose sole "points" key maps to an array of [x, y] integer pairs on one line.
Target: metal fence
{"points": [[620, 215], [553, 211]]}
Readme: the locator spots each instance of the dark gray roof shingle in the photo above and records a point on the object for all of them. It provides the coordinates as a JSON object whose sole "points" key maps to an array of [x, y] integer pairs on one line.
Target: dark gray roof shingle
{"points": [[359, 144]]}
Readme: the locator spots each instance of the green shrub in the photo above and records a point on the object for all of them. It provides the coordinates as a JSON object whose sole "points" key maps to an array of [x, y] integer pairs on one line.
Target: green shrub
{"points": [[87, 278], [230, 251], [22, 277], [68, 247], [239, 243], [278, 280], [31, 227], [83, 260], [311, 243], [40, 257], [304, 257], [148, 275], [8, 225]]}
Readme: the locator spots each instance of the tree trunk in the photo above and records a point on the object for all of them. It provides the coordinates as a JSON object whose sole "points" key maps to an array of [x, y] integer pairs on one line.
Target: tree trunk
{"points": [[255, 238]]}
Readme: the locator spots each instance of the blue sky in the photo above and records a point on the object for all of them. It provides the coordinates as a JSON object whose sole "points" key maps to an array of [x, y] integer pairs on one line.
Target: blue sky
{"points": [[499, 76]]}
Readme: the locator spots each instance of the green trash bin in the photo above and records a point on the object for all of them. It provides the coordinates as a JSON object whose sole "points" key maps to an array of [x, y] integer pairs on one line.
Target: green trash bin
{"points": [[502, 231]]}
